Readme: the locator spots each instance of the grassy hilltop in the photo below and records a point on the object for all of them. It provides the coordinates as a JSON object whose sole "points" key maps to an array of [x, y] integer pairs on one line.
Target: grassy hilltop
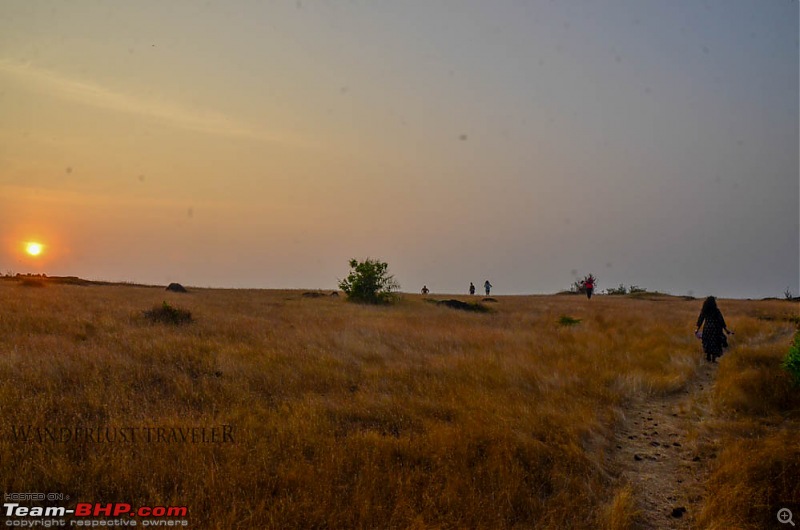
{"points": [[406, 416]]}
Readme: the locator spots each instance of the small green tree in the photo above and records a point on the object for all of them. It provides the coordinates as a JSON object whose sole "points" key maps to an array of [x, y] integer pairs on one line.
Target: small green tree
{"points": [[369, 282], [791, 363]]}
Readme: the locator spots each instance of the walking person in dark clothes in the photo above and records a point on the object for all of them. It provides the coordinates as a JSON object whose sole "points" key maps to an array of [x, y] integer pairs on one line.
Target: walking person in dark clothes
{"points": [[714, 329], [471, 288]]}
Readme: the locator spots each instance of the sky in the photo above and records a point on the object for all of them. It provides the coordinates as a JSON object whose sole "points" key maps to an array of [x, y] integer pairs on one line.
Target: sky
{"points": [[254, 144]]}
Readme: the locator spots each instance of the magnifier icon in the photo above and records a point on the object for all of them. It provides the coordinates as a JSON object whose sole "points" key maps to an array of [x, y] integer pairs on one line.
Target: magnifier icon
{"points": [[785, 516]]}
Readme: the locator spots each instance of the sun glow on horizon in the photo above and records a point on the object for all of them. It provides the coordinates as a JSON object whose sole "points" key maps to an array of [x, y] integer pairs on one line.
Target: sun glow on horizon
{"points": [[33, 248]]}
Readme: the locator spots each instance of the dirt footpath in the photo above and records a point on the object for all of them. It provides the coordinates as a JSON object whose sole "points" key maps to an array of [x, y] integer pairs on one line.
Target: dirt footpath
{"points": [[664, 455]]}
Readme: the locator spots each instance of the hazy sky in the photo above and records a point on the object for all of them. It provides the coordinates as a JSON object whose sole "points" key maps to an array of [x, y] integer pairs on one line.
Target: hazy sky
{"points": [[264, 144]]}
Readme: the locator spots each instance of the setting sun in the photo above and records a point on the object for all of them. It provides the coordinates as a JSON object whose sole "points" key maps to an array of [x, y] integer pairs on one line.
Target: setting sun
{"points": [[34, 249]]}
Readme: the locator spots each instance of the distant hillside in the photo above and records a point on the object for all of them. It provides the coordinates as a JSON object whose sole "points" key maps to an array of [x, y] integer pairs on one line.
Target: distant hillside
{"points": [[66, 280]]}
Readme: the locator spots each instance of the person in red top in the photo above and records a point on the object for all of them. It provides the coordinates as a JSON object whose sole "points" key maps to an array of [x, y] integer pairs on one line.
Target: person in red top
{"points": [[588, 284]]}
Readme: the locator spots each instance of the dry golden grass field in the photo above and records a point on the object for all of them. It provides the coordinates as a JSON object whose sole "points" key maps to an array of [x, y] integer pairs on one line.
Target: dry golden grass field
{"points": [[405, 416]]}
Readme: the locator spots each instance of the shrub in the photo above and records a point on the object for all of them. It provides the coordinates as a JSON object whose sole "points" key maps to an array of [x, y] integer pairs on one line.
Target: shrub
{"points": [[580, 286], [166, 314], [791, 363], [567, 320], [369, 282], [617, 290]]}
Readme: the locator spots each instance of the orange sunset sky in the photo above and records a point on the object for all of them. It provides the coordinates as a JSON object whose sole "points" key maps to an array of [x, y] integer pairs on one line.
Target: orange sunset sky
{"points": [[263, 144]]}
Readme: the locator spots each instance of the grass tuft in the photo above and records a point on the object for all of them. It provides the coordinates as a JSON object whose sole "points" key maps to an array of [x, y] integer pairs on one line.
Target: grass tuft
{"points": [[167, 314], [622, 512]]}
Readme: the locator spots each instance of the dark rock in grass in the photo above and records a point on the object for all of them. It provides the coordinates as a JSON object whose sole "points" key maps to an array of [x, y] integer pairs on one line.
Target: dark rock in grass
{"points": [[489, 299], [335, 294], [678, 512], [463, 306], [176, 288]]}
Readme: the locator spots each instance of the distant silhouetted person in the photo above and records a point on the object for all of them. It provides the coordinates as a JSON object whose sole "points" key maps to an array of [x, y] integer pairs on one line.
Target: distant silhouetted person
{"points": [[425, 289], [471, 288], [487, 286], [714, 330], [588, 285]]}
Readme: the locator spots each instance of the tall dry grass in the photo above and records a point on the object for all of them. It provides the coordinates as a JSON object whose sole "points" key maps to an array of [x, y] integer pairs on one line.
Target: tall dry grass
{"points": [[756, 427], [345, 416]]}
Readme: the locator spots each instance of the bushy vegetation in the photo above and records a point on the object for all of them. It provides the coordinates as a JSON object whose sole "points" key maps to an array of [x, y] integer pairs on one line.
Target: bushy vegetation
{"points": [[617, 290], [167, 314], [32, 282], [622, 290], [791, 363], [579, 286], [369, 282], [566, 320]]}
